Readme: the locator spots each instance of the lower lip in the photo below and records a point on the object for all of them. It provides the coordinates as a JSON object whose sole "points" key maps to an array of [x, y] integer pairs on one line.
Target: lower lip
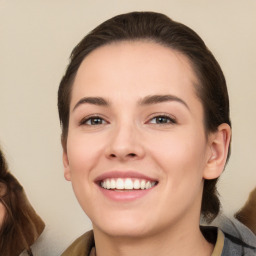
{"points": [[125, 195]]}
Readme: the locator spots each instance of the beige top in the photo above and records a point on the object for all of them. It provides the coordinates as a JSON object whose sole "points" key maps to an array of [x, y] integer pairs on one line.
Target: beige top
{"points": [[84, 245], [218, 248]]}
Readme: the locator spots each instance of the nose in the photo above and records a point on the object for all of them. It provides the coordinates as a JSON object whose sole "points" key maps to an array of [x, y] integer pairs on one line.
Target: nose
{"points": [[125, 143]]}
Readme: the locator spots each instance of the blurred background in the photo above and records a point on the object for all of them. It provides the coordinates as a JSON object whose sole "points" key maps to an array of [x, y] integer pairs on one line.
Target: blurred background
{"points": [[36, 38]]}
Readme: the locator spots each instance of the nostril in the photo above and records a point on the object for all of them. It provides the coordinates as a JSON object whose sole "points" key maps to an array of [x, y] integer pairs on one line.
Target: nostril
{"points": [[122, 155], [132, 155]]}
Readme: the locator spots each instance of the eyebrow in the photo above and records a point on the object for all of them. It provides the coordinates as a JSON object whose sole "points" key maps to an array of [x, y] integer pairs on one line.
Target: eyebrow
{"points": [[148, 100], [154, 99], [92, 100]]}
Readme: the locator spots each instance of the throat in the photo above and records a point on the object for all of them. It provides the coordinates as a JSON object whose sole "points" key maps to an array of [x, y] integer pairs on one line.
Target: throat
{"points": [[157, 244]]}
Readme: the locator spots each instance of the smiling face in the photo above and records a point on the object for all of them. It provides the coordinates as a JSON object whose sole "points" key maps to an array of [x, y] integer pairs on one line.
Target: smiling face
{"points": [[137, 150]]}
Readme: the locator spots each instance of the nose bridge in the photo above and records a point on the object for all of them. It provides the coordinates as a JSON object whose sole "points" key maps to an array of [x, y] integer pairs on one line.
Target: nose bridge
{"points": [[124, 141]]}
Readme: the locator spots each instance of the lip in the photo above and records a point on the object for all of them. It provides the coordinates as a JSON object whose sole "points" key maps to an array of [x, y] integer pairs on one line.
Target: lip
{"points": [[124, 196]]}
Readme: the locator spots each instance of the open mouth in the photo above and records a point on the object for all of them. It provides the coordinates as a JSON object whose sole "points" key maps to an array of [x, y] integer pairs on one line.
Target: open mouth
{"points": [[127, 184]]}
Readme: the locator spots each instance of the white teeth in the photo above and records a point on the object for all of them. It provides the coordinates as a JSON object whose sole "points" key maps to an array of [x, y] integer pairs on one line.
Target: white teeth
{"points": [[113, 184], [148, 185], [143, 184], [108, 184], [120, 184], [127, 183], [136, 184]]}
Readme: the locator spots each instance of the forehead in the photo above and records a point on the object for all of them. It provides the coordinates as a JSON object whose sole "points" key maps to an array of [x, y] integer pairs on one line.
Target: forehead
{"points": [[135, 65]]}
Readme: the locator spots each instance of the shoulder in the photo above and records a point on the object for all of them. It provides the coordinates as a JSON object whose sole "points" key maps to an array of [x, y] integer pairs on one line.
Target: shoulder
{"points": [[238, 239], [81, 246]]}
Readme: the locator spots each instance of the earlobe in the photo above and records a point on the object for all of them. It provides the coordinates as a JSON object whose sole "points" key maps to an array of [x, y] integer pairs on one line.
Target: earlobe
{"points": [[66, 166], [219, 144]]}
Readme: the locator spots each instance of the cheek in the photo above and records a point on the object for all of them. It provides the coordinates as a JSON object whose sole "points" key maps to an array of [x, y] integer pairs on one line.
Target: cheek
{"points": [[181, 157], [84, 152]]}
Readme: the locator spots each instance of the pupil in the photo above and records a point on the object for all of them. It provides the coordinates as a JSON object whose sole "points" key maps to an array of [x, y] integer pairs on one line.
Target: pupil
{"points": [[161, 120], [96, 121]]}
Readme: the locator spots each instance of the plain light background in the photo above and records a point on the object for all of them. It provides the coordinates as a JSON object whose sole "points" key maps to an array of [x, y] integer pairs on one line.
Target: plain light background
{"points": [[36, 38]]}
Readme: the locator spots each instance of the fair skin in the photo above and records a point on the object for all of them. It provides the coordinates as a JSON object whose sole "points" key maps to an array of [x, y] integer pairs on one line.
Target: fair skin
{"points": [[134, 118]]}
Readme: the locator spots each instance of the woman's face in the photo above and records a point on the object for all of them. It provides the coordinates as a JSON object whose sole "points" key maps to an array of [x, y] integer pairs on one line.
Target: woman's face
{"points": [[137, 151]]}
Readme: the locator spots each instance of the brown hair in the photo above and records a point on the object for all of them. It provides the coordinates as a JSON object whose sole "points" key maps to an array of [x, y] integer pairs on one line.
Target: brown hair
{"points": [[21, 225], [156, 27]]}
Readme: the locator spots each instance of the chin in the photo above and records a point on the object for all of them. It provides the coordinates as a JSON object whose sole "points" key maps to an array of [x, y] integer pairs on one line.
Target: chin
{"points": [[124, 231], [123, 226]]}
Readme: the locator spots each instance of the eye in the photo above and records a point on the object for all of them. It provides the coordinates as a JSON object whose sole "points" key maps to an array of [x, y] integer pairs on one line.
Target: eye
{"points": [[94, 120], [162, 119]]}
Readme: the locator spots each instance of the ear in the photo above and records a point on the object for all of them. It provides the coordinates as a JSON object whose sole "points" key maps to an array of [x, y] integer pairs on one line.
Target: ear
{"points": [[65, 160], [219, 144]]}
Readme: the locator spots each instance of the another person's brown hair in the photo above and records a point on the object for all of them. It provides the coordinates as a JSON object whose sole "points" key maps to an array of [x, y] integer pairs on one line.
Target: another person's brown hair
{"points": [[247, 214], [158, 28], [21, 225]]}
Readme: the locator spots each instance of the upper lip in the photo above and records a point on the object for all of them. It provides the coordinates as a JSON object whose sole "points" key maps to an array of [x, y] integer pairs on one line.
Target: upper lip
{"points": [[123, 174]]}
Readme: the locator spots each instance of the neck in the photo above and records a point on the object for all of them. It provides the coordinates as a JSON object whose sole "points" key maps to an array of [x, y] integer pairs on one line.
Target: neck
{"points": [[175, 242]]}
